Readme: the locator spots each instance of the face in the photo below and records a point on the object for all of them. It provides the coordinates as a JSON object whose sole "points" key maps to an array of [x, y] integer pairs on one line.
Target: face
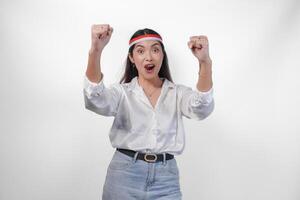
{"points": [[147, 57]]}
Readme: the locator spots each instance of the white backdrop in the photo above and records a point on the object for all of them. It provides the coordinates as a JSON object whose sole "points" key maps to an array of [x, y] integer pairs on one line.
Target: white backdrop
{"points": [[51, 147]]}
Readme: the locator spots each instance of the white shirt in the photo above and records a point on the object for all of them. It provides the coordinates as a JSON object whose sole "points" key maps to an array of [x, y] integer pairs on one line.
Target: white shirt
{"points": [[140, 127]]}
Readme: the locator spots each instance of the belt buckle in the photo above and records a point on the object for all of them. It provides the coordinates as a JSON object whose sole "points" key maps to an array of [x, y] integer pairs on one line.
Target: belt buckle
{"points": [[150, 154]]}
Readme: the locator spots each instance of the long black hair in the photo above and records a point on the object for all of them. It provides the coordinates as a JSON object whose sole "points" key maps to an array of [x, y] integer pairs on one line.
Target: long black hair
{"points": [[131, 72]]}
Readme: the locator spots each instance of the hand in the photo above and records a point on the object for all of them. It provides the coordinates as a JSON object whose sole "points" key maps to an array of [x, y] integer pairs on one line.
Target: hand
{"points": [[199, 47], [101, 34]]}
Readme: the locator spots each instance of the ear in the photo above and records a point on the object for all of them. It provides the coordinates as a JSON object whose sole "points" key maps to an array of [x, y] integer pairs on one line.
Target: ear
{"points": [[131, 58]]}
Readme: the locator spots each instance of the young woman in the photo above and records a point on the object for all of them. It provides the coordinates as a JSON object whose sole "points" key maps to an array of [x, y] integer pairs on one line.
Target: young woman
{"points": [[147, 106]]}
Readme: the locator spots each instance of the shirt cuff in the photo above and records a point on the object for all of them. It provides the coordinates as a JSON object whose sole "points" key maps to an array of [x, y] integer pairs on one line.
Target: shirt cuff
{"points": [[202, 97], [92, 88]]}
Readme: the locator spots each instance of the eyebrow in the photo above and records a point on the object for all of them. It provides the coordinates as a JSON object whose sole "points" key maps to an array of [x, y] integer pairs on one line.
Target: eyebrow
{"points": [[139, 45]]}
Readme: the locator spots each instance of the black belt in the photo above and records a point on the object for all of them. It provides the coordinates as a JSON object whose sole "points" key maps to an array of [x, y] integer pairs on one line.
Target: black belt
{"points": [[148, 157]]}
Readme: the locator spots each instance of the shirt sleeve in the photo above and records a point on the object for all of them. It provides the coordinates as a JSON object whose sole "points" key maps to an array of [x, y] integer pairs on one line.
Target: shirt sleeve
{"points": [[195, 104], [101, 99]]}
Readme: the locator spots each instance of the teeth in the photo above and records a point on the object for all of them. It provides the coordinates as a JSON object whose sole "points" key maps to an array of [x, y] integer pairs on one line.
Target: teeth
{"points": [[149, 65]]}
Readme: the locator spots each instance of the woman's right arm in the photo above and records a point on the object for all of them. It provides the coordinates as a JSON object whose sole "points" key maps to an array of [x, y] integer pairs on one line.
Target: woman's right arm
{"points": [[97, 97], [100, 36], [93, 70]]}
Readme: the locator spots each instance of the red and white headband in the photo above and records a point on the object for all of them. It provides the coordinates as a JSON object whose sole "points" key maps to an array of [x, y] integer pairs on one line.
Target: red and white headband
{"points": [[144, 38]]}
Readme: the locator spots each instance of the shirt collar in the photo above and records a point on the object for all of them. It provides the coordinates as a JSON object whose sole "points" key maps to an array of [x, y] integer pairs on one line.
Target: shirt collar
{"points": [[134, 85]]}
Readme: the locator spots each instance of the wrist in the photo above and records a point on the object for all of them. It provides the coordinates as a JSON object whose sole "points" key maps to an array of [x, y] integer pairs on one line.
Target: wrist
{"points": [[201, 74], [95, 52], [205, 71], [205, 67], [206, 62]]}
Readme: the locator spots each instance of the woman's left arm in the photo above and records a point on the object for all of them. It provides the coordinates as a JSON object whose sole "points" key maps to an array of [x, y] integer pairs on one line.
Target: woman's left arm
{"points": [[199, 104], [200, 49], [205, 83]]}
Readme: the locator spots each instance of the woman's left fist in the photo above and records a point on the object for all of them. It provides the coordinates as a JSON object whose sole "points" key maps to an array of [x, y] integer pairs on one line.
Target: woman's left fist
{"points": [[199, 47]]}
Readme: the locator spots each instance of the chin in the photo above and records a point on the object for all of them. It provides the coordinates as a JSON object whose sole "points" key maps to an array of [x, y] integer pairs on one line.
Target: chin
{"points": [[150, 76]]}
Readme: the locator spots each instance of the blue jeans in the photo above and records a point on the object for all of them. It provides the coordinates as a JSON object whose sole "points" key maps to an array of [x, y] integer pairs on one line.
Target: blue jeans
{"points": [[130, 179]]}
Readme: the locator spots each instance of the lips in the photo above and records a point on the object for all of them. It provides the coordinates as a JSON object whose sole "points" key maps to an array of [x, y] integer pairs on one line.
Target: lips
{"points": [[149, 66]]}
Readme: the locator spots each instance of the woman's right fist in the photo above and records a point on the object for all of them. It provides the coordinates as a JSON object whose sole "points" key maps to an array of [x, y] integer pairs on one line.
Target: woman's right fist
{"points": [[100, 34]]}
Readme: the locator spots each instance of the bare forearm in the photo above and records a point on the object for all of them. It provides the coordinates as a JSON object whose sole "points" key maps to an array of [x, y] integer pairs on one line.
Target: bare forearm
{"points": [[205, 76], [93, 71]]}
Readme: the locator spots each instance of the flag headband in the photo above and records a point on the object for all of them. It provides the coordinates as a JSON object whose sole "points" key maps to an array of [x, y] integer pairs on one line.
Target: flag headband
{"points": [[144, 38]]}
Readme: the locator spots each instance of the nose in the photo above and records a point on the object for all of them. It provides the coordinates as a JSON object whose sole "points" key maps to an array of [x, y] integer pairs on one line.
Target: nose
{"points": [[148, 56]]}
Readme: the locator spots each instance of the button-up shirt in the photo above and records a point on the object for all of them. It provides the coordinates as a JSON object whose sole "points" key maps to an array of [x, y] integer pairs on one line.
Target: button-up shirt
{"points": [[137, 124]]}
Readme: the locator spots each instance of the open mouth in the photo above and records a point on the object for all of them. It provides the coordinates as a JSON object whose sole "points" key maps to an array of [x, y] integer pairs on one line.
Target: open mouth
{"points": [[149, 68]]}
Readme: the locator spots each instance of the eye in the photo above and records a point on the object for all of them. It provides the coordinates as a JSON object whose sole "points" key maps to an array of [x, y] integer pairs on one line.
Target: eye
{"points": [[140, 51], [156, 50]]}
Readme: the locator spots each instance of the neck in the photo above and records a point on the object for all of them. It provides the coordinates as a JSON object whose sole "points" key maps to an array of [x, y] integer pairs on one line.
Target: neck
{"points": [[155, 82]]}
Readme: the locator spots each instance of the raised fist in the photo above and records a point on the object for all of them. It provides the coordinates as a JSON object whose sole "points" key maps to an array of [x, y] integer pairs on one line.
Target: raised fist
{"points": [[100, 34], [199, 47]]}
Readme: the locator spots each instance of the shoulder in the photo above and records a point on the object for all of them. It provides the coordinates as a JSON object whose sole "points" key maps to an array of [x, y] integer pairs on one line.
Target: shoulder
{"points": [[176, 86], [125, 86], [181, 87]]}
